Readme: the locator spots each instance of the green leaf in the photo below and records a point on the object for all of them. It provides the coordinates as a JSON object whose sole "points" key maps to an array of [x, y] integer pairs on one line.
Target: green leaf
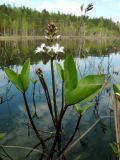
{"points": [[60, 71], [78, 108], [2, 135], [84, 90], [70, 74], [87, 88], [25, 79], [84, 109], [14, 78], [34, 81], [21, 81], [116, 88], [114, 148]]}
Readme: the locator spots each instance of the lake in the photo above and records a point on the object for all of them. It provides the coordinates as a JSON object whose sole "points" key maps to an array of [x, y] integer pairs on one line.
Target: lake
{"points": [[91, 57]]}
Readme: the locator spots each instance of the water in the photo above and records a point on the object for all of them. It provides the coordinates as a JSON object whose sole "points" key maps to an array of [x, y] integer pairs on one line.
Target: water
{"points": [[90, 58]]}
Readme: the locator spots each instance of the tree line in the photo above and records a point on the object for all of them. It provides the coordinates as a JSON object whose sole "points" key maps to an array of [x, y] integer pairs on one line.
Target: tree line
{"points": [[28, 22]]}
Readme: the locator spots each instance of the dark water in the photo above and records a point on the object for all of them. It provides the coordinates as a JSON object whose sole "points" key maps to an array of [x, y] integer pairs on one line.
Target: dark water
{"points": [[91, 57]]}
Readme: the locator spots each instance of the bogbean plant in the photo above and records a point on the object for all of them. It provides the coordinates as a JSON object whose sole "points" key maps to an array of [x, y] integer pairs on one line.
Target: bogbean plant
{"points": [[116, 145], [74, 92]]}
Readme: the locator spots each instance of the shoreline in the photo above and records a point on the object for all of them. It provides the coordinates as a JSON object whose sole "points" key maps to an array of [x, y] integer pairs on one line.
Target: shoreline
{"points": [[12, 38]]}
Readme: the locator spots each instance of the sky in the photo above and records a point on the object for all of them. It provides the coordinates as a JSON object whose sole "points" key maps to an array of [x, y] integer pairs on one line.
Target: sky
{"points": [[105, 8]]}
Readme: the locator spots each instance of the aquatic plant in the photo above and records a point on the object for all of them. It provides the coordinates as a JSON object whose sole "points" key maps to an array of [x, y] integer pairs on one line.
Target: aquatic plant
{"points": [[116, 88], [75, 92]]}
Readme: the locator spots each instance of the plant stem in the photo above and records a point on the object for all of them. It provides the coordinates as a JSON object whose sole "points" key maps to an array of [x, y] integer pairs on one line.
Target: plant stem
{"points": [[57, 132], [71, 138], [47, 139], [62, 96], [35, 114], [8, 156], [117, 127], [62, 107], [44, 85], [33, 125], [53, 88]]}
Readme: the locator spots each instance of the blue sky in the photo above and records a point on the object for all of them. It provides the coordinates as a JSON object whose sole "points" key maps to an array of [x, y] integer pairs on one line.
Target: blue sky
{"points": [[105, 8]]}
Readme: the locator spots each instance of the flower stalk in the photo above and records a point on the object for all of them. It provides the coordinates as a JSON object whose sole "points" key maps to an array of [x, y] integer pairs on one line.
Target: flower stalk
{"points": [[44, 85], [54, 91]]}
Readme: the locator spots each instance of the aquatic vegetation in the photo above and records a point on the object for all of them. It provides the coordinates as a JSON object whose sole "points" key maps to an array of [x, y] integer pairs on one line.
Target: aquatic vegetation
{"points": [[114, 147], [74, 92], [116, 88], [78, 92]]}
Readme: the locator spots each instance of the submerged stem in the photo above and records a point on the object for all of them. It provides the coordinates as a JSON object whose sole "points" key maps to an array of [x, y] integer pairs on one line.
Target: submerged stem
{"points": [[8, 156], [57, 132], [33, 125], [71, 138], [35, 114]]}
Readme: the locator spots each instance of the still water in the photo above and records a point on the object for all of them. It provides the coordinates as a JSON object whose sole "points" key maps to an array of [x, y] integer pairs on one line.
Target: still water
{"points": [[90, 57]]}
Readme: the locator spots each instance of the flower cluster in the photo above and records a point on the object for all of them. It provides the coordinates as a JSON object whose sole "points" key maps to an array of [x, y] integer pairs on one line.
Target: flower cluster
{"points": [[50, 49], [51, 32], [53, 48]]}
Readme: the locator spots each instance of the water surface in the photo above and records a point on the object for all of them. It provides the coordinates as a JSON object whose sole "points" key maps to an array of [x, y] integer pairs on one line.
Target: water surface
{"points": [[91, 58]]}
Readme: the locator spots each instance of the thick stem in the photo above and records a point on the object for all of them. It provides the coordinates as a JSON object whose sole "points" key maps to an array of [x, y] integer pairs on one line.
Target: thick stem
{"points": [[53, 88], [47, 139], [71, 138], [44, 85], [62, 107], [117, 127], [33, 125], [58, 130]]}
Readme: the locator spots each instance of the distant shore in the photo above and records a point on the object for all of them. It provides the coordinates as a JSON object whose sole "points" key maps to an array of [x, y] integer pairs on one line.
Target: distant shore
{"points": [[12, 38]]}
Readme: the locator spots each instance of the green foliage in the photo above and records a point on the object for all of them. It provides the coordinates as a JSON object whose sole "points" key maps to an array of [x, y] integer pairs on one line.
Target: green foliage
{"points": [[2, 135], [116, 88], [114, 148], [34, 81], [70, 74], [21, 81], [60, 71], [25, 75], [84, 109], [83, 90], [28, 22]]}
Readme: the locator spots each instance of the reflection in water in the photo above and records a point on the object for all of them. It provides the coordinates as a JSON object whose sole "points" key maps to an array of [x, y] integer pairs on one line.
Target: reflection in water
{"points": [[90, 59], [14, 52]]}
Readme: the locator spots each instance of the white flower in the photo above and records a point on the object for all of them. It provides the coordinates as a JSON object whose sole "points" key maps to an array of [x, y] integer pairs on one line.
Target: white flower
{"points": [[41, 48], [49, 49], [57, 37], [47, 37], [57, 48]]}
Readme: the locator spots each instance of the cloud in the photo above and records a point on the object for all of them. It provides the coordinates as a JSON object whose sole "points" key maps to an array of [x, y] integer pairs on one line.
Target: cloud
{"points": [[72, 6], [64, 6], [107, 0], [27, 3]]}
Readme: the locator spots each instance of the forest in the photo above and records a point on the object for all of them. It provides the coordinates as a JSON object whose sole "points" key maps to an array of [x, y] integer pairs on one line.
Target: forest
{"points": [[23, 21]]}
